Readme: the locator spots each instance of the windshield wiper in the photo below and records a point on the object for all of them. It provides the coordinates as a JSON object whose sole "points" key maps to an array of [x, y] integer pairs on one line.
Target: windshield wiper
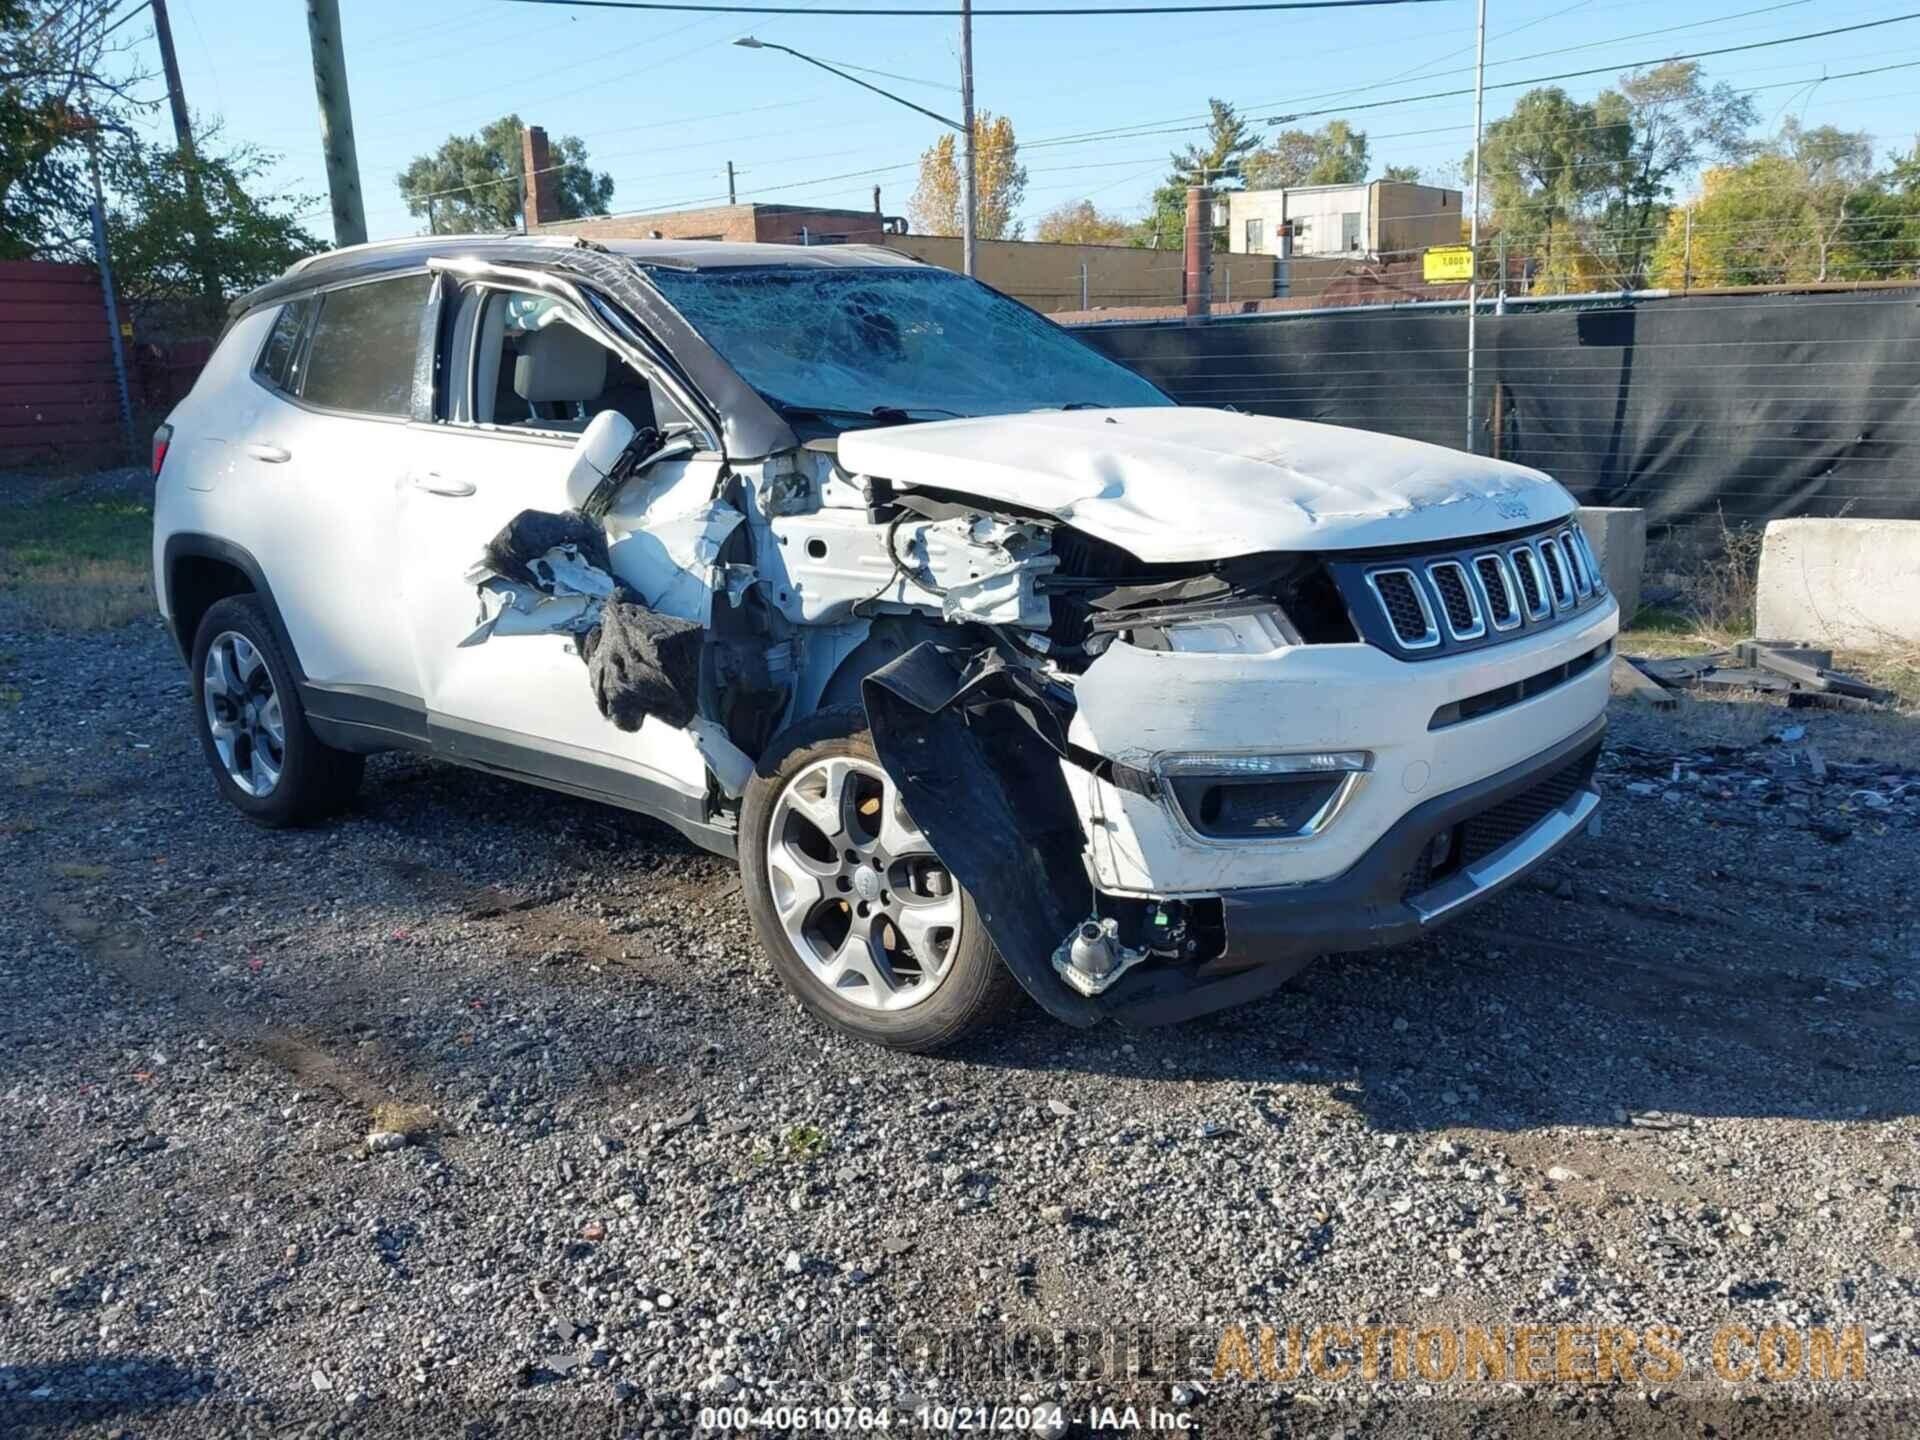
{"points": [[883, 414]]}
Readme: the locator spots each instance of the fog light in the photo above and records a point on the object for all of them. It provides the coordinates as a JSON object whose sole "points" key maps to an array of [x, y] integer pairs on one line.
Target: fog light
{"points": [[1439, 850]]}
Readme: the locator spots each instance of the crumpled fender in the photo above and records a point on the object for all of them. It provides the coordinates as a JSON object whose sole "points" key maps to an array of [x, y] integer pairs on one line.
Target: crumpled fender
{"points": [[975, 746]]}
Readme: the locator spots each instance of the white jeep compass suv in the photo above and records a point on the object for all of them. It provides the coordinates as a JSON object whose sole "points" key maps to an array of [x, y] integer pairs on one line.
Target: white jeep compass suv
{"points": [[990, 664]]}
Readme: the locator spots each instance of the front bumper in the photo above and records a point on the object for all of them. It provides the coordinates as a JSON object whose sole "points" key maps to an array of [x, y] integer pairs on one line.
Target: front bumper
{"points": [[1135, 707], [1525, 813]]}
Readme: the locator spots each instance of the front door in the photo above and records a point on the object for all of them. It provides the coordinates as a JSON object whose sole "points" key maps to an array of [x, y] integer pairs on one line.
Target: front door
{"points": [[522, 382]]}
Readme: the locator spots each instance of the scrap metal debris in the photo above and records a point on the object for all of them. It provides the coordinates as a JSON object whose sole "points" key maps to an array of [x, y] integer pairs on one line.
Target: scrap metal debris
{"points": [[1801, 674], [1782, 781]]}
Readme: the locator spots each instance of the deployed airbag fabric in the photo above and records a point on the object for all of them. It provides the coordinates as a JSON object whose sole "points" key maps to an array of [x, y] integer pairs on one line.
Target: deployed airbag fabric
{"points": [[532, 533], [643, 663]]}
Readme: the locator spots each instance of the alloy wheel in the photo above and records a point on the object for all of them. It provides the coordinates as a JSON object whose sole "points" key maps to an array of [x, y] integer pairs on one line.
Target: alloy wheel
{"points": [[863, 899], [243, 714]]}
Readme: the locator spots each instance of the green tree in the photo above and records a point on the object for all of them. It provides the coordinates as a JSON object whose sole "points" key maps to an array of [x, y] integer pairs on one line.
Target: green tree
{"points": [[1081, 222], [476, 183], [1335, 154], [1675, 123], [999, 181], [1405, 174], [1545, 164], [1216, 161], [56, 96], [1806, 208], [248, 238]]}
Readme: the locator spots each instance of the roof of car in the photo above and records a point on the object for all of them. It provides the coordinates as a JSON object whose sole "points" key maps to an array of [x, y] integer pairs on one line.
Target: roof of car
{"points": [[384, 255]]}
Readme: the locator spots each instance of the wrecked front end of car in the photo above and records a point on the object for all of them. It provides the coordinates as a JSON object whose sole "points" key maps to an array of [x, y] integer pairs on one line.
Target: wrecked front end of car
{"points": [[1168, 783], [1203, 774], [1178, 698]]}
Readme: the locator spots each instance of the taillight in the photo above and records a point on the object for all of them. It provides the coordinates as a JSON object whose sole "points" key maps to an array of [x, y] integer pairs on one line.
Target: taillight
{"points": [[162, 437]]}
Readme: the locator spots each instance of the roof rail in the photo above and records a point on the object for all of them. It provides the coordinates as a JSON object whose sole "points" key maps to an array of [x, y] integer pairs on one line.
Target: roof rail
{"points": [[307, 262]]}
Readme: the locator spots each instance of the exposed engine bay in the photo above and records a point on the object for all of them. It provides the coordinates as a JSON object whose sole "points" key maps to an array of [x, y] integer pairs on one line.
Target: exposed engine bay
{"points": [[731, 603], [961, 627]]}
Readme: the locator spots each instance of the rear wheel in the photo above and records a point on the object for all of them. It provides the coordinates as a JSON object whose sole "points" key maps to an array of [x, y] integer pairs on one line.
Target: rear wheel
{"points": [[865, 924], [266, 760]]}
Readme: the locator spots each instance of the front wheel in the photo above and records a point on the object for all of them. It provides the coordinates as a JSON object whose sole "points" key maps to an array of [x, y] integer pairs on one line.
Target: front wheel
{"points": [[266, 759], [865, 924]]}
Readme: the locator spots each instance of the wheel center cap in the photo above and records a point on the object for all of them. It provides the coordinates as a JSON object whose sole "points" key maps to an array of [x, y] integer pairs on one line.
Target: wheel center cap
{"points": [[866, 883]]}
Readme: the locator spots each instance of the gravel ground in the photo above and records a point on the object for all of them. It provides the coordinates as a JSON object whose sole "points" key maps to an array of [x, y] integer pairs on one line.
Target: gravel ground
{"points": [[1672, 1080]]}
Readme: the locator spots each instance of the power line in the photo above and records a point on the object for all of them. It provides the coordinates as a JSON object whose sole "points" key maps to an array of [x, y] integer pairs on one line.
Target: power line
{"points": [[1137, 131], [1183, 124], [665, 207], [1088, 138], [1568, 49], [1615, 68], [1102, 10]]}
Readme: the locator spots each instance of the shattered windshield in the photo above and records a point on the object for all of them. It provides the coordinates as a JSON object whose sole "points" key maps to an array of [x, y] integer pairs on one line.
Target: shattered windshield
{"points": [[850, 344]]}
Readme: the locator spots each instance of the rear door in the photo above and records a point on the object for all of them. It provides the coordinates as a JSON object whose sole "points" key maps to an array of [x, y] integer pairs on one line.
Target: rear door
{"points": [[520, 380], [317, 466]]}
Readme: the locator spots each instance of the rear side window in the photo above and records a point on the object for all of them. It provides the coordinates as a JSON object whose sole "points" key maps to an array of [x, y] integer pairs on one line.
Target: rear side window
{"points": [[361, 356], [280, 360]]}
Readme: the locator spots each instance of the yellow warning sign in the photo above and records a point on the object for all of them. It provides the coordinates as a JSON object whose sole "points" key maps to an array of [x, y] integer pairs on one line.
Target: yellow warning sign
{"points": [[1447, 262]]}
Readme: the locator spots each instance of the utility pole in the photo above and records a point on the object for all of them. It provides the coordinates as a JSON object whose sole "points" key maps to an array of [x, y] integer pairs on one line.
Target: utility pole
{"points": [[176, 93], [98, 214], [198, 218], [336, 122], [970, 202], [732, 199], [1473, 225]]}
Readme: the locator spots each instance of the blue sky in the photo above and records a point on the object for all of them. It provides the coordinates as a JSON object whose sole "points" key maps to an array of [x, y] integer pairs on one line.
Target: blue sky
{"points": [[665, 100]]}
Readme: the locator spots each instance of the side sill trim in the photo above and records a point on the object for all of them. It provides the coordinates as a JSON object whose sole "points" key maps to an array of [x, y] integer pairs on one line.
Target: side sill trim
{"points": [[570, 772], [368, 708]]}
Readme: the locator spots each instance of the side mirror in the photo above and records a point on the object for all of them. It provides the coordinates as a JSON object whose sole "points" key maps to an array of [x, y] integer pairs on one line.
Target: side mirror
{"points": [[596, 454]]}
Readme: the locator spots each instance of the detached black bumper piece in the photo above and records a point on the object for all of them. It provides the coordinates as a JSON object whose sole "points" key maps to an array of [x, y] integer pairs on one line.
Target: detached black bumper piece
{"points": [[1495, 831]]}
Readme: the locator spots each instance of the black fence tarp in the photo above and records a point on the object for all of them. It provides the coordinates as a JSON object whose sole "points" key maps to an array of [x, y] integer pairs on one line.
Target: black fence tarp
{"points": [[1751, 407]]}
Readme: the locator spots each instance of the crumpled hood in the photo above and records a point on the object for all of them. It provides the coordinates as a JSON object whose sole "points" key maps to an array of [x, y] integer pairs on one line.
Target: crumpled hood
{"points": [[1175, 484]]}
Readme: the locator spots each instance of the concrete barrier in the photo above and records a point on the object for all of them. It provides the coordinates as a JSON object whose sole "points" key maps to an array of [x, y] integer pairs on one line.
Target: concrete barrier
{"points": [[1850, 584], [1618, 536]]}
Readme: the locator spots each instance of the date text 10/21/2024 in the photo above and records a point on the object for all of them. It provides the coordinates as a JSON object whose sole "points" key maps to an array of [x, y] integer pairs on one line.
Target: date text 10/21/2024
{"points": [[1041, 1419]]}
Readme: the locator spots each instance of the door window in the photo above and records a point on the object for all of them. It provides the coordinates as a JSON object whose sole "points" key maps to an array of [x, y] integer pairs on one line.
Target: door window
{"points": [[1256, 236], [1350, 230], [535, 369], [279, 364], [364, 346]]}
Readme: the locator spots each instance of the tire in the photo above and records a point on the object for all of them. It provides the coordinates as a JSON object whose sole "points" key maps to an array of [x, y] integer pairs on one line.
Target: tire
{"points": [[913, 967], [237, 723]]}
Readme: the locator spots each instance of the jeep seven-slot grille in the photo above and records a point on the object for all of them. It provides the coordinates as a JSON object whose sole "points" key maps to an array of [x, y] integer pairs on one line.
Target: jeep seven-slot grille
{"points": [[1478, 836], [1557, 579], [1401, 600], [1441, 602], [1451, 582], [1501, 606], [1524, 565]]}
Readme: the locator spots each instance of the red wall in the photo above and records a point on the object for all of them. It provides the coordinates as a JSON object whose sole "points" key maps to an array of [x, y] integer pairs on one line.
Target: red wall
{"points": [[56, 365]]}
